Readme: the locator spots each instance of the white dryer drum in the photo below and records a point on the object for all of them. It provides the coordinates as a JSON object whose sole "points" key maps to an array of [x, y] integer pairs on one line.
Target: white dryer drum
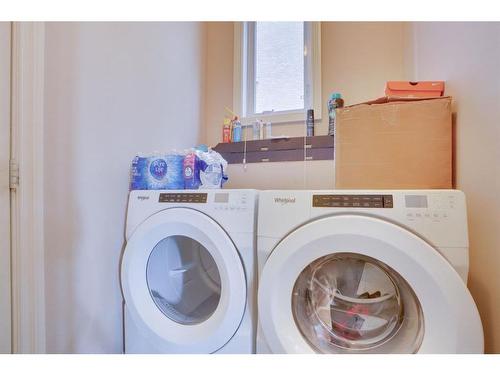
{"points": [[356, 284], [183, 282]]}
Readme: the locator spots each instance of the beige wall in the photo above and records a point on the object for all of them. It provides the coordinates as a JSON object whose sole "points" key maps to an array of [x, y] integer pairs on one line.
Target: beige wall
{"points": [[357, 59], [467, 57], [112, 89]]}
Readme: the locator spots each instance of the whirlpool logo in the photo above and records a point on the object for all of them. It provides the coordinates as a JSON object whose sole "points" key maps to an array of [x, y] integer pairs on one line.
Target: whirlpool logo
{"points": [[142, 197], [283, 201]]}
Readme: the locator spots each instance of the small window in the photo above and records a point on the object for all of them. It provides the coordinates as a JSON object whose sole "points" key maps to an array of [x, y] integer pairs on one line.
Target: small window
{"points": [[278, 77], [277, 70]]}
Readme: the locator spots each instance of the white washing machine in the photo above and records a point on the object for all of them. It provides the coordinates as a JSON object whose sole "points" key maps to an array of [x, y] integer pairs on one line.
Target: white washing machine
{"points": [[187, 272], [365, 272]]}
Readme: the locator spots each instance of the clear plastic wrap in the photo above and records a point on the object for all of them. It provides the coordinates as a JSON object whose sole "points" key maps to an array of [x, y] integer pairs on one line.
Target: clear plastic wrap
{"points": [[348, 302]]}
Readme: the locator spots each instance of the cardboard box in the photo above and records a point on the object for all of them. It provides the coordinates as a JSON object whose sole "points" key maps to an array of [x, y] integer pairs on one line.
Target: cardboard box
{"points": [[422, 89], [394, 144]]}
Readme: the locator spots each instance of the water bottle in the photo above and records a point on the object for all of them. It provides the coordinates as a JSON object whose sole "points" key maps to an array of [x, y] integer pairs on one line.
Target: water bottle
{"points": [[191, 171], [334, 102], [138, 178], [211, 177]]}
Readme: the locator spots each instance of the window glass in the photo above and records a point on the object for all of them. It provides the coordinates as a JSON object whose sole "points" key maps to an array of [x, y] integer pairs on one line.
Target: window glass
{"points": [[349, 302], [183, 280], [279, 66]]}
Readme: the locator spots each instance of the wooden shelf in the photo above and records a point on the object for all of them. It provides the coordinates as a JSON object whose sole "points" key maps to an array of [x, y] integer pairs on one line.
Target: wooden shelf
{"points": [[278, 150]]}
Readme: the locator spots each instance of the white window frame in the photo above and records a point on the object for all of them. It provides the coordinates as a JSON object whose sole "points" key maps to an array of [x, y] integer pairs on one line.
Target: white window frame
{"points": [[243, 76]]}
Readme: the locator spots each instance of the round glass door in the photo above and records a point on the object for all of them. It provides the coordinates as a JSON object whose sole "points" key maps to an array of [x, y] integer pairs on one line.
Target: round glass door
{"points": [[346, 301], [183, 280]]}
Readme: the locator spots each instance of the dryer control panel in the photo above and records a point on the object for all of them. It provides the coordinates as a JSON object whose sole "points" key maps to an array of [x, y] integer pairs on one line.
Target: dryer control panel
{"points": [[353, 200], [182, 198], [439, 216]]}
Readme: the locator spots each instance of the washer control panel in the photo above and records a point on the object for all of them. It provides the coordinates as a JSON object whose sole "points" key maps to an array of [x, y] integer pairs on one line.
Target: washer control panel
{"points": [[353, 200], [183, 198]]}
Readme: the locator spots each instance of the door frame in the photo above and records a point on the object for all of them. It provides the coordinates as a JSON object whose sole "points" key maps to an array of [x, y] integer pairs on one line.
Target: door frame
{"points": [[5, 259], [27, 197]]}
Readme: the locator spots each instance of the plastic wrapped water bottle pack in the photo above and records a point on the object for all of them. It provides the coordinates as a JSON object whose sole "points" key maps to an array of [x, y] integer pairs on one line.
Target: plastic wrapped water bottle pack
{"points": [[197, 168]]}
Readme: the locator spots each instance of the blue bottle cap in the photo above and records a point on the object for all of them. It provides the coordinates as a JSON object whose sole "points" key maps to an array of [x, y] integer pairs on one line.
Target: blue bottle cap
{"points": [[202, 148]]}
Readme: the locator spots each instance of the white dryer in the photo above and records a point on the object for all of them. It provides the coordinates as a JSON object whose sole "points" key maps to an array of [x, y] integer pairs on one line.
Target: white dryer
{"points": [[365, 272], [187, 272]]}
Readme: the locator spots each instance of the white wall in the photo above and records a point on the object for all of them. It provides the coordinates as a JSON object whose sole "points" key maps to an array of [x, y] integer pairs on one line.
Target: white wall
{"points": [[467, 57], [111, 90], [115, 89]]}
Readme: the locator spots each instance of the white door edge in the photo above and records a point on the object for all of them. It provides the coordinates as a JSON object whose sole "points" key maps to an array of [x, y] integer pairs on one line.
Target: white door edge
{"points": [[165, 334], [420, 265]]}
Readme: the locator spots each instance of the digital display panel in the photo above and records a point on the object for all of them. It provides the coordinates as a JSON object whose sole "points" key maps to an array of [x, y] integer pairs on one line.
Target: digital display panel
{"points": [[416, 201], [221, 198]]}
